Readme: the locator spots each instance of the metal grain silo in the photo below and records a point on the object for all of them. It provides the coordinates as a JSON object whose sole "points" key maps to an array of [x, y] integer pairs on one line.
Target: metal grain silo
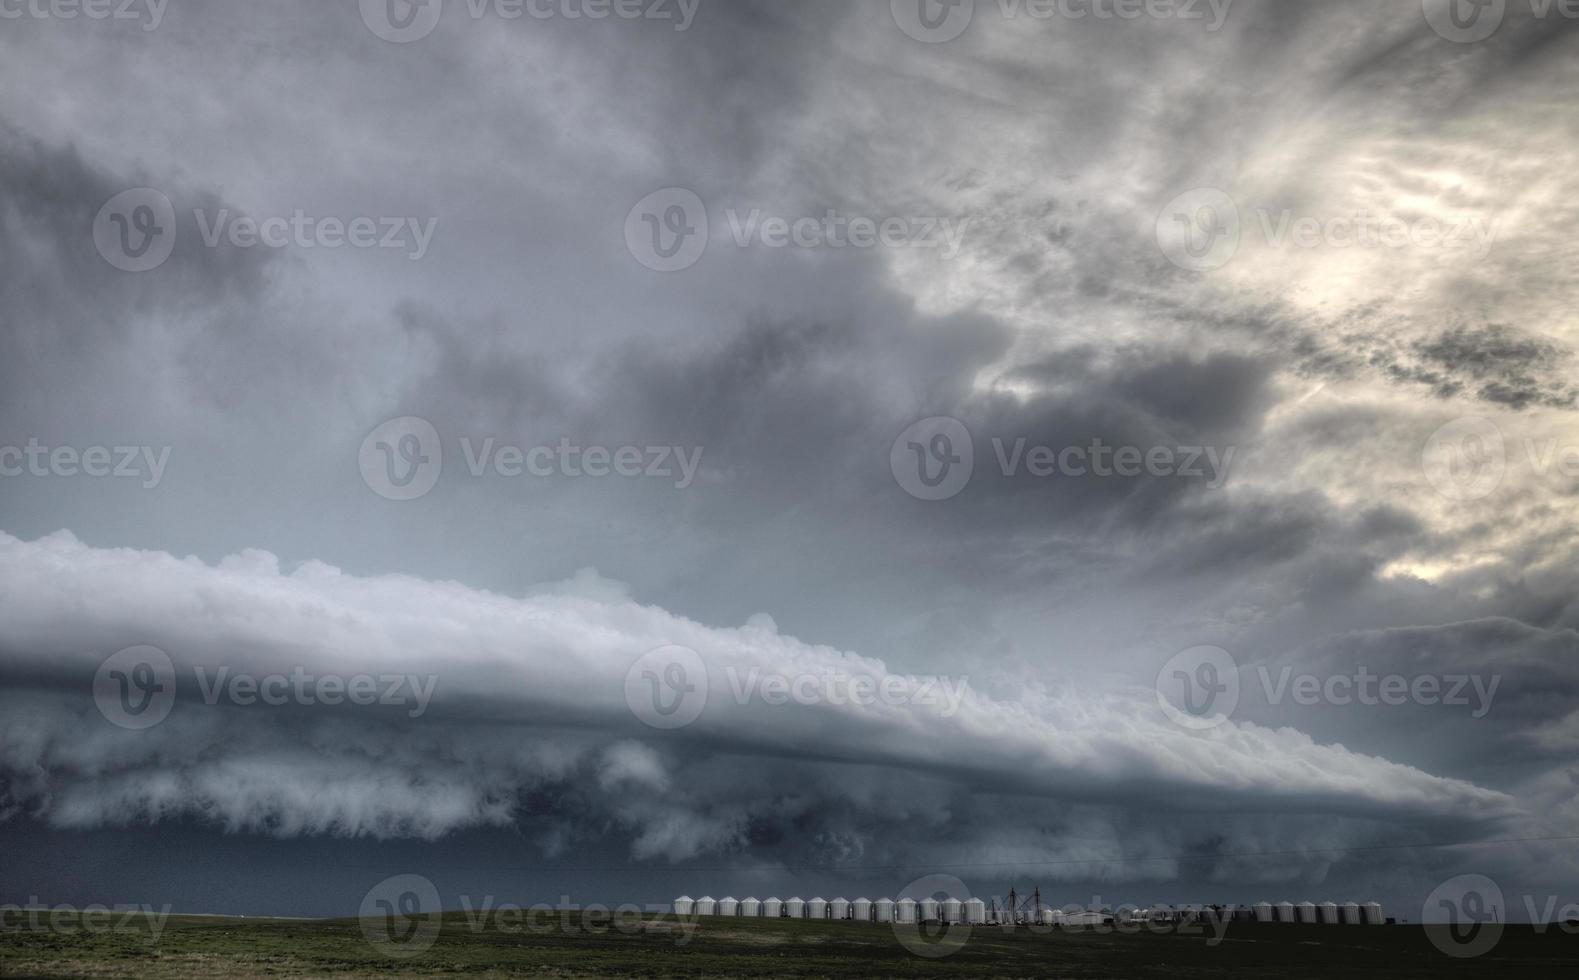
{"points": [[750, 908], [1048, 916], [839, 909], [795, 908], [931, 910], [1329, 913], [817, 908], [1263, 911], [952, 910], [905, 910], [1285, 911], [772, 908], [1373, 914], [728, 906], [975, 911], [684, 905], [861, 910], [1306, 911], [1350, 912], [884, 909], [706, 906]]}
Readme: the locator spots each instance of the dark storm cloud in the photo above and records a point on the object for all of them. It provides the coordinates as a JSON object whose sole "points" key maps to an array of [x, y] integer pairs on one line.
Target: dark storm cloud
{"points": [[62, 302], [1519, 721], [1059, 321], [1494, 363], [510, 673]]}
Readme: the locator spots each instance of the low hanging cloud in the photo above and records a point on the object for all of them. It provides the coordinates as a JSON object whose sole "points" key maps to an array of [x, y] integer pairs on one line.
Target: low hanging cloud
{"points": [[513, 701]]}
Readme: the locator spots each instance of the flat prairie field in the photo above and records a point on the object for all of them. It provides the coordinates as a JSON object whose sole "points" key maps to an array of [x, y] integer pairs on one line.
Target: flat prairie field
{"points": [[569, 945]]}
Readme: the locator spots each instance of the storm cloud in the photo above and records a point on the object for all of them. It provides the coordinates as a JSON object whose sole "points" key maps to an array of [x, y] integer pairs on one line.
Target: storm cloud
{"points": [[1384, 449]]}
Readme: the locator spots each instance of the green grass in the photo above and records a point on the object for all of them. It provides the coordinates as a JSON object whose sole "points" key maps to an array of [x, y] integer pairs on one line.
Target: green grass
{"points": [[661, 946]]}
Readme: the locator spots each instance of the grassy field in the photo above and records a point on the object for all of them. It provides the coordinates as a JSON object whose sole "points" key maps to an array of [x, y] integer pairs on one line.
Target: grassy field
{"points": [[661, 946]]}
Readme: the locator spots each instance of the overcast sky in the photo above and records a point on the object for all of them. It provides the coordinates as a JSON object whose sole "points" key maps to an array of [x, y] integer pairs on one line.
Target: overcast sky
{"points": [[811, 266]]}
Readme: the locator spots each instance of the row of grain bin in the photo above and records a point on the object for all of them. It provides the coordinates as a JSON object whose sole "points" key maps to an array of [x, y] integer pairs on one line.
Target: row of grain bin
{"points": [[973, 911], [1331, 913], [1327, 913]]}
